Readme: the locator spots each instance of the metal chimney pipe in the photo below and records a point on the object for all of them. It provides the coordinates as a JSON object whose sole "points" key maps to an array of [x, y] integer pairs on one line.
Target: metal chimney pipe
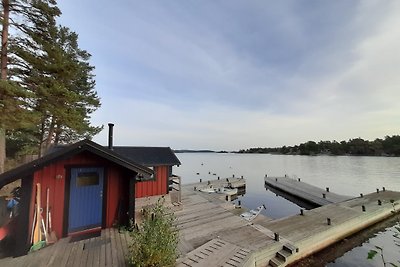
{"points": [[110, 135]]}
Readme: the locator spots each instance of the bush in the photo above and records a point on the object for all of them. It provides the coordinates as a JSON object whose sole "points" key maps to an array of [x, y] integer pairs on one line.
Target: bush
{"points": [[154, 242]]}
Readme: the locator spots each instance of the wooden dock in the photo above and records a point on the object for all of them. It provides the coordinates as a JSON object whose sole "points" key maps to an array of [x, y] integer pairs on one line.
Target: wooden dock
{"points": [[303, 191], [108, 249], [211, 233], [223, 182]]}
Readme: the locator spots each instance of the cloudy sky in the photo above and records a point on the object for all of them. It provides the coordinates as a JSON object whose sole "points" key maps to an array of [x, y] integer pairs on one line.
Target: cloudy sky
{"points": [[238, 74]]}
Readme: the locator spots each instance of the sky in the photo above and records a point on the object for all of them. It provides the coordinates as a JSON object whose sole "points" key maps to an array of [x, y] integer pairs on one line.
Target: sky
{"points": [[227, 75]]}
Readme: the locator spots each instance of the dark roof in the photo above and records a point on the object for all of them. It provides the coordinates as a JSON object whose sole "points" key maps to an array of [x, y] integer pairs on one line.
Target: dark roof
{"points": [[71, 150], [149, 156]]}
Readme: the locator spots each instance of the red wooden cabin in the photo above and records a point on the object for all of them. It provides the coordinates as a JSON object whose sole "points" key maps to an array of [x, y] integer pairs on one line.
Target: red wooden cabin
{"points": [[159, 159], [90, 187]]}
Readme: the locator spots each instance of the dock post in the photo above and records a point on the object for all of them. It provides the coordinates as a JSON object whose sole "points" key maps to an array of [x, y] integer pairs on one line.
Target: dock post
{"points": [[363, 208], [323, 195], [302, 212], [379, 202], [377, 190], [200, 180], [361, 195], [383, 189], [218, 177], [327, 189], [328, 221], [276, 236]]}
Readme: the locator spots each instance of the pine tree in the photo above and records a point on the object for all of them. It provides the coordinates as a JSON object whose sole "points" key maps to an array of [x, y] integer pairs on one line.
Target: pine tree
{"points": [[57, 79]]}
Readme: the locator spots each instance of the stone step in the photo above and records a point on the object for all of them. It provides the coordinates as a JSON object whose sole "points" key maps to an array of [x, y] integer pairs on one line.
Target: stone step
{"points": [[283, 255], [275, 262], [290, 248]]}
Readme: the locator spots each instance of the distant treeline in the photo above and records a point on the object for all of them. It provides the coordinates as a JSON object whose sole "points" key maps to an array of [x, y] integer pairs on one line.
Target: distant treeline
{"points": [[389, 146]]}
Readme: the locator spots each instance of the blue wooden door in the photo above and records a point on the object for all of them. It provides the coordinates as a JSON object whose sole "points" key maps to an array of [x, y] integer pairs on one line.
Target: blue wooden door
{"points": [[85, 199]]}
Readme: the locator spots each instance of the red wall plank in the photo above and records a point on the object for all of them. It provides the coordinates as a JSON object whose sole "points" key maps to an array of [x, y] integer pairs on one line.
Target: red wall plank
{"points": [[156, 187]]}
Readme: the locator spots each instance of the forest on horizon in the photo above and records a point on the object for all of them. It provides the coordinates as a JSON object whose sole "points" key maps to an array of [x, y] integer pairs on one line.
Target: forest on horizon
{"points": [[388, 146]]}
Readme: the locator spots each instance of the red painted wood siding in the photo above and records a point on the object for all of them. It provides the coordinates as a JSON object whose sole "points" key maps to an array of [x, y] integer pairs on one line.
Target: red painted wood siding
{"points": [[155, 187], [117, 190], [117, 186]]}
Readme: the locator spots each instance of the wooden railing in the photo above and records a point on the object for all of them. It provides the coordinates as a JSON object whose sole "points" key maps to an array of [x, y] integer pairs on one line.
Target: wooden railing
{"points": [[175, 188]]}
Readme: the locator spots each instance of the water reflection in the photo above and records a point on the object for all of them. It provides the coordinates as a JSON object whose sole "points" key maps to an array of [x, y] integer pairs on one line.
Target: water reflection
{"points": [[353, 251]]}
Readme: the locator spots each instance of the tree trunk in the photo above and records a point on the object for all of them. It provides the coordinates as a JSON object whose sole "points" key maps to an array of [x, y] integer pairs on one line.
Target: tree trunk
{"points": [[4, 41], [49, 138]]}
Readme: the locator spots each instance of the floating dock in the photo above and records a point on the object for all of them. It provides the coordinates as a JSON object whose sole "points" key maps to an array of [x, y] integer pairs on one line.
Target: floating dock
{"points": [[211, 233], [303, 191], [231, 182]]}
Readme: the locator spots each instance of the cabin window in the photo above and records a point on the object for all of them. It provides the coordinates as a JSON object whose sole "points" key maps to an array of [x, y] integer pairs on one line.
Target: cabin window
{"points": [[87, 179]]}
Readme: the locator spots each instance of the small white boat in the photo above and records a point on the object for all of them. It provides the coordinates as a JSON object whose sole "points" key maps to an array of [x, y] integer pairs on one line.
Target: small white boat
{"points": [[219, 190], [208, 190], [252, 214], [226, 190]]}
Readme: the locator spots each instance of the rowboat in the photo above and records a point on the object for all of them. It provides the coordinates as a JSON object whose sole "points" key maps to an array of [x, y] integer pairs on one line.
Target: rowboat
{"points": [[252, 214], [219, 190]]}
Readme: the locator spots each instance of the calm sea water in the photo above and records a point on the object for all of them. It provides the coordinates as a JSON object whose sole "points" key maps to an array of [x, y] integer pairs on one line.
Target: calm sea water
{"points": [[342, 174]]}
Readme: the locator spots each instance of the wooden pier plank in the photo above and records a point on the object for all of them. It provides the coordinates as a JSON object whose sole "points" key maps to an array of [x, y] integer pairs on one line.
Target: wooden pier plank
{"points": [[304, 191]]}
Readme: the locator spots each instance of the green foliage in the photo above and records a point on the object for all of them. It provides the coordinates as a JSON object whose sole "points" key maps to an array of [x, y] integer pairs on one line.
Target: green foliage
{"points": [[155, 242], [371, 254], [389, 146], [50, 82]]}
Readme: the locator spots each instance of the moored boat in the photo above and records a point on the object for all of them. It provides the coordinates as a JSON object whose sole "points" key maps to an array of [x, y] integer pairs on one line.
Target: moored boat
{"points": [[252, 214]]}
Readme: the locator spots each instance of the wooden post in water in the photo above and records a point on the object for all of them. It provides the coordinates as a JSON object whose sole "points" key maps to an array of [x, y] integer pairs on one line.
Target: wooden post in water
{"points": [[328, 221], [361, 195], [298, 179], [327, 189], [379, 202], [363, 208], [302, 212], [323, 195], [200, 180], [383, 189], [377, 190]]}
